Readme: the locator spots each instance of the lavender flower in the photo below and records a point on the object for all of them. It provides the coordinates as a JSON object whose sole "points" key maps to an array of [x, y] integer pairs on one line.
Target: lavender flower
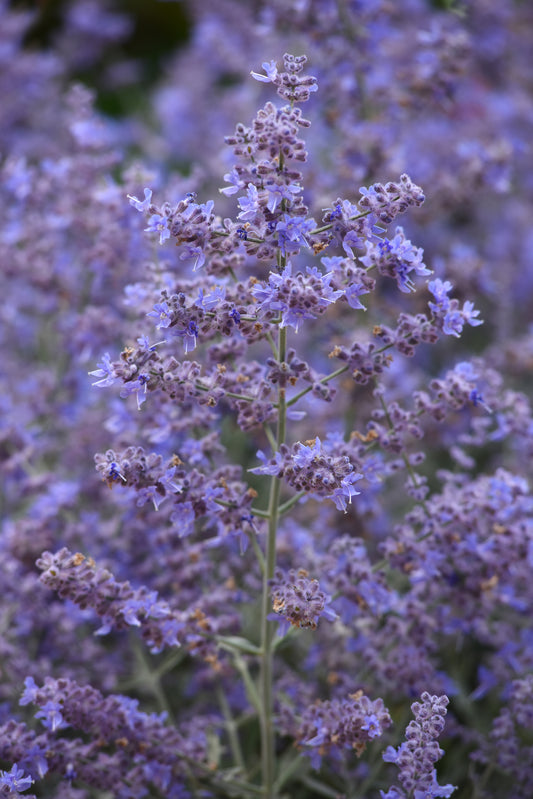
{"points": [[15, 781], [299, 600], [330, 726], [310, 468], [417, 755], [141, 205], [396, 258], [434, 555]]}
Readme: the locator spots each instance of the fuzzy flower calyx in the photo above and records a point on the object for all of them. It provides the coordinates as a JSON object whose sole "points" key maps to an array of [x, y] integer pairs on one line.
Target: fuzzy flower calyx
{"points": [[298, 600]]}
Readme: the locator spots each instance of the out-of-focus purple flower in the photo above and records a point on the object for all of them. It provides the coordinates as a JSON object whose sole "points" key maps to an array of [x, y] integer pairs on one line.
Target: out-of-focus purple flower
{"points": [[352, 294], [235, 182], [105, 372], [14, 780], [271, 70], [141, 205], [189, 335], [249, 204], [50, 713], [331, 726], [440, 290]]}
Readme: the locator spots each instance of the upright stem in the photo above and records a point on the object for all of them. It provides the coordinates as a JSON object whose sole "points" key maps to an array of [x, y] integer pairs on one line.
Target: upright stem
{"points": [[267, 730]]}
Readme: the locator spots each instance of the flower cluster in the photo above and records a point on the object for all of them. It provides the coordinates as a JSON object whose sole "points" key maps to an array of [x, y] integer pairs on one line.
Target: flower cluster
{"points": [[77, 578], [417, 756], [336, 725], [310, 468], [299, 600]]}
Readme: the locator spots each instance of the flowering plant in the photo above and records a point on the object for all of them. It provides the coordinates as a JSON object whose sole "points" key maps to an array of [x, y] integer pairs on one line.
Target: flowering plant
{"points": [[297, 535]]}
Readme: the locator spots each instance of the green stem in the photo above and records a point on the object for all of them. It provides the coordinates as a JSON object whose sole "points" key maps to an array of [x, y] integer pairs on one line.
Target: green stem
{"points": [[267, 730], [231, 729], [325, 379], [290, 503]]}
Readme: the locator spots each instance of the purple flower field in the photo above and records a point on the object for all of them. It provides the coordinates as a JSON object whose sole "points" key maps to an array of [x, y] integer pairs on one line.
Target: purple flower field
{"points": [[266, 435]]}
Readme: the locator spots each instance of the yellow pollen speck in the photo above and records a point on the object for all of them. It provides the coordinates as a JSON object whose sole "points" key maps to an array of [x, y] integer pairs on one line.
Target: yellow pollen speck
{"points": [[492, 582], [278, 605]]}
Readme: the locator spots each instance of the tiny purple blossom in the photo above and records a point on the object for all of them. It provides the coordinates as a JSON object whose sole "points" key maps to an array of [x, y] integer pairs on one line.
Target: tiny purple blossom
{"points": [[141, 205], [139, 387], [350, 242], [189, 335], [440, 290], [158, 224], [105, 371], [268, 467], [372, 726], [15, 780], [346, 491], [234, 179], [278, 192], [149, 606], [208, 302], [163, 313], [292, 231], [469, 313], [249, 204], [453, 323], [271, 72], [190, 251], [352, 294], [51, 715], [30, 692]]}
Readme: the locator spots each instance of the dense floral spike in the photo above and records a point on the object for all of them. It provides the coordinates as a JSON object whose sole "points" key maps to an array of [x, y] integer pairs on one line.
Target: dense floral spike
{"points": [[417, 756], [506, 747], [77, 578], [120, 606], [143, 748]]}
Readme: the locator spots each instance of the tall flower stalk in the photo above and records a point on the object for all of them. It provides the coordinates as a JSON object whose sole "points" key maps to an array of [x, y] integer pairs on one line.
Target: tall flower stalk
{"points": [[267, 729]]}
